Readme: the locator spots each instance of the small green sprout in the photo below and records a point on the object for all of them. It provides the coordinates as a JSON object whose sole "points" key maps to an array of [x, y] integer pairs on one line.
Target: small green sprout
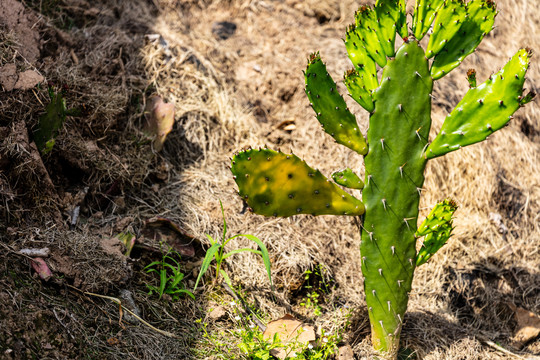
{"points": [[170, 277], [217, 251]]}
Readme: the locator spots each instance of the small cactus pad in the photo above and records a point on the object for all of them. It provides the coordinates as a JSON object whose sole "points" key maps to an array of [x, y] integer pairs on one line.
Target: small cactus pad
{"points": [[389, 14], [50, 122], [424, 13], [355, 84], [366, 28], [447, 23], [484, 109], [331, 109], [362, 62], [348, 178], [471, 78], [478, 22], [398, 132], [436, 229], [277, 184]]}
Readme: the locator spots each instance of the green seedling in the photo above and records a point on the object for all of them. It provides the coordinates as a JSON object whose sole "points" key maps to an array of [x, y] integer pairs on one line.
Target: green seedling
{"points": [[396, 148], [170, 277], [217, 252], [51, 121]]}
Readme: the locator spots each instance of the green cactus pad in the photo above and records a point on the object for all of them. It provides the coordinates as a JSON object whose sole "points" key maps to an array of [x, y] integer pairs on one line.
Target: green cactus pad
{"points": [[389, 14], [348, 178], [479, 22], [398, 132], [401, 24], [331, 109], [436, 229], [355, 84], [484, 109], [447, 23], [277, 184], [50, 122], [363, 63], [366, 28], [424, 13]]}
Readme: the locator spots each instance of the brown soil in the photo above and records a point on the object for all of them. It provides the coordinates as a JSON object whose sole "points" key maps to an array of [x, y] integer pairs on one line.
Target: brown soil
{"points": [[232, 69]]}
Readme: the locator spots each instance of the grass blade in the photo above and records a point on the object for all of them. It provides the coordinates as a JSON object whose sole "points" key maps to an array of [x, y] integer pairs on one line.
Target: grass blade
{"points": [[264, 254], [206, 262], [241, 250]]}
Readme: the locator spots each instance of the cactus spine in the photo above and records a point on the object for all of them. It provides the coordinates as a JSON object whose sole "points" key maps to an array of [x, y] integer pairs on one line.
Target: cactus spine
{"points": [[397, 147]]}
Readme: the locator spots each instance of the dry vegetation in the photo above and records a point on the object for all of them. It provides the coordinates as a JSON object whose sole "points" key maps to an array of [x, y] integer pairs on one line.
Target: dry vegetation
{"points": [[230, 93]]}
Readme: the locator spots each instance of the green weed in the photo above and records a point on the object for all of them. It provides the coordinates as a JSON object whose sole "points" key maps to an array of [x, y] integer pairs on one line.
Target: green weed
{"points": [[217, 252], [170, 277]]}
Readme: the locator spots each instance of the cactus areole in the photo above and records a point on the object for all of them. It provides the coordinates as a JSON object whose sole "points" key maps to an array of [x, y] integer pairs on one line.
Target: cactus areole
{"points": [[396, 147]]}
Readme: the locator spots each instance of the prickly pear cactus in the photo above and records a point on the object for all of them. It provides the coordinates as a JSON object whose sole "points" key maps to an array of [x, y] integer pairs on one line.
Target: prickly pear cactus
{"points": [[396, 147]]}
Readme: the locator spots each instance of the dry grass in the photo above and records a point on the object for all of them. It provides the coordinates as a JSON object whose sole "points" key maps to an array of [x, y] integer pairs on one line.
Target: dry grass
{"points": [[232, 93]]}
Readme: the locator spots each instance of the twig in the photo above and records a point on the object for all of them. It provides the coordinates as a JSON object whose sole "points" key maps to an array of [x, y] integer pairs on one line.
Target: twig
{"points": [[61, 323], [503, 350], [119, 302]]}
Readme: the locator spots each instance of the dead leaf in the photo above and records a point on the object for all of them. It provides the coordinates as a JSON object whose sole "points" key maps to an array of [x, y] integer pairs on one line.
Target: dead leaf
{"points": [[160, 229], [288, 329], [113, 341], [160, 120], [287, 125], [528, 326], [28, 79], [41, 268]]}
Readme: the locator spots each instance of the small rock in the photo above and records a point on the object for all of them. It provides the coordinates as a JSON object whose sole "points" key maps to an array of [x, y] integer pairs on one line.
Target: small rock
{"points": [[345, 353], [223, 29], [28, 79], [127, 299], [217, 313]]}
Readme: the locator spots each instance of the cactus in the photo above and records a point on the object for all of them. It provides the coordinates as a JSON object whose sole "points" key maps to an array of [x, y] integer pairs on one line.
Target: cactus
{"points": [[396, 148]]}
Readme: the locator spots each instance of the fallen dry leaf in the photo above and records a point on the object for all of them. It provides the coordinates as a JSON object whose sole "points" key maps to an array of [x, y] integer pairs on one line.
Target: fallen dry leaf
{"points": [[41, 268], [160, 120], [288, 329], [287, 125], [528, 326]]}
